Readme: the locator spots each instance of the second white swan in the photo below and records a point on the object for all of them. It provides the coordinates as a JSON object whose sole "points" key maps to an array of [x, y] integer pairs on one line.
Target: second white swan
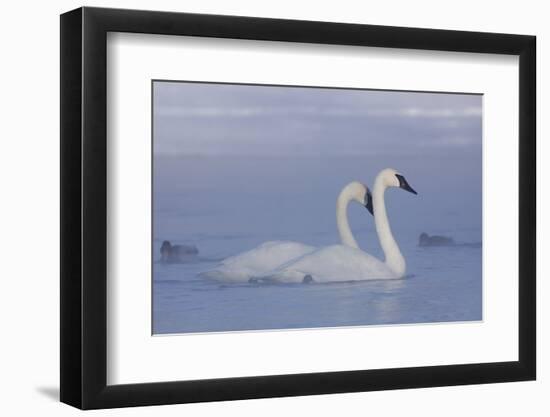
{"points": [[349, 263], [259, 261]]}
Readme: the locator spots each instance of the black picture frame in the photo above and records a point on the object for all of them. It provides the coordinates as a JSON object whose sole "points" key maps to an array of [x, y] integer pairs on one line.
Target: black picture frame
{"points": [[84, 207]]}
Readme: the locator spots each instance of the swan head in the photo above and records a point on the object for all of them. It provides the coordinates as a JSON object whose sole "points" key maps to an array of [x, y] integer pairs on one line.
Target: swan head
{"points": [[392, 178], [358, 192]]}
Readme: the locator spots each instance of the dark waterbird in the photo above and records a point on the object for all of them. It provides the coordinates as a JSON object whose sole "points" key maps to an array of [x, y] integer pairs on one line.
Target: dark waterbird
{"points": [[435, 240], [177, 253]]}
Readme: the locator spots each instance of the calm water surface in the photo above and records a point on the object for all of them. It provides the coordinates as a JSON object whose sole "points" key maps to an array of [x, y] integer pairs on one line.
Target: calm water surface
{"points": [[216, 205]]}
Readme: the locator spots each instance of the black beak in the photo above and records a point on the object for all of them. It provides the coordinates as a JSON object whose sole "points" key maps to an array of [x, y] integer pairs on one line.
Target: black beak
{"points": [[404, 184], [368, 202]]}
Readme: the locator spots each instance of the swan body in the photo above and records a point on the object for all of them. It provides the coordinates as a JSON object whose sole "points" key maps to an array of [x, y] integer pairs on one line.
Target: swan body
{"points": [[331, 264], [255, 262], [348, 263], [269, 256]]}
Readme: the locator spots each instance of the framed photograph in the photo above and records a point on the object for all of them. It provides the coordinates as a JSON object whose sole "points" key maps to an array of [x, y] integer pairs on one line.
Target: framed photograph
{"points": [[257, 208]]}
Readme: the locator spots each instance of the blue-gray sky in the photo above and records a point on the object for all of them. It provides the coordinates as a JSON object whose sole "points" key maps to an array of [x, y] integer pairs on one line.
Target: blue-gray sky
{"points": [[226, 119]]}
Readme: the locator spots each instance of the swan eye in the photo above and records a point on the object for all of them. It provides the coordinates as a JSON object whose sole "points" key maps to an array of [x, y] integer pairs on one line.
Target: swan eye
{"points": [[403, 184]]}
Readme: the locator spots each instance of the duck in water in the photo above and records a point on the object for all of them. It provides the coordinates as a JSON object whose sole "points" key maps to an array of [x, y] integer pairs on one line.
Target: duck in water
{"points": [[427, 240], [177, 253]]}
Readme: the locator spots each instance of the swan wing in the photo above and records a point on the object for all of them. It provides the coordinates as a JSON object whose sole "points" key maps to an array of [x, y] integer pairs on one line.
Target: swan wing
{"points": [[256, 262], [332, 264]]}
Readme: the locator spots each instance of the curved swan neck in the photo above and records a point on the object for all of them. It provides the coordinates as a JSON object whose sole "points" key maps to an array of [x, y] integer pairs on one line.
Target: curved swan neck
{"points": [[348, 193], [394, 259]]}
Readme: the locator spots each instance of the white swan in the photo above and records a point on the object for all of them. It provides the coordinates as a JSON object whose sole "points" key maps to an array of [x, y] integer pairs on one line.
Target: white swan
{"points": [[349, 263], [270, 255]]}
